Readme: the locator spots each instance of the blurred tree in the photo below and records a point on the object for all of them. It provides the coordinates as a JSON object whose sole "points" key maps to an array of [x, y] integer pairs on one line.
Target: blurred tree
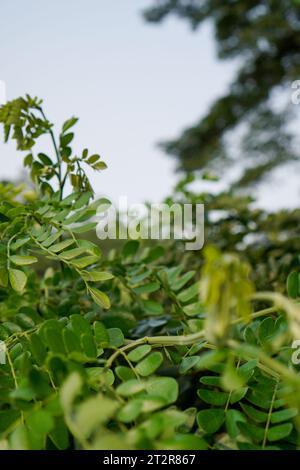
{"points": [[265, 36]]}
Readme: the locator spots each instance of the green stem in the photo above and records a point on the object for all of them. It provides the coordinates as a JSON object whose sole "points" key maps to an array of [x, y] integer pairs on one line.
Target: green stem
{"points": [[269, 416], [57, 153], [180, 340]]}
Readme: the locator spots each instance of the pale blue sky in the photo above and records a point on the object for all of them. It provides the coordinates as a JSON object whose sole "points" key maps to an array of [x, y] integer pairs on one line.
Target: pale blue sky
{"points": [[131, 83]]}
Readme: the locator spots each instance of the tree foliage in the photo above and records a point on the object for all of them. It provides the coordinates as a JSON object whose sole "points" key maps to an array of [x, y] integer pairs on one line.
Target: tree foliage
{"points": [[147, 346]]}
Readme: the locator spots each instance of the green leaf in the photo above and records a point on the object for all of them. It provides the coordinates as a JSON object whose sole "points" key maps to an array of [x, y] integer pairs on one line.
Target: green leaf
{"points": [[19, 242], [19, 439], [89, 345], [147, 288], [25, 321], [99, 297], [40, 422], [163, 387], [101, 334], [130, 411], [23, 260], [116, 337], [210, 359], [138, 353], [266, 330], [213, 380], [50, 240], [100, 166], [293, 285], [237, 395], [7, 418], [93, 159], [193, 309], [124, 373], [70, 389], [80, 325], [130, 387], [154, 254], [66, 139], [232, 418], [250, 430], [188, 363], [83, 200], [152, 307], [212, 397], [82, 263], [231, 379], [99, 276], [84, 228], [130, 248], [59, 435], [45, 159], [182, 280], [276, 433], [92, 412], [71, 341], [17, 279], [55, 341], [257, 415], [189, 293], [283, 415], [61, 246], [149, 365], [99, 376], [69, 123], [3, 277], [70, 254], [210, 421]]}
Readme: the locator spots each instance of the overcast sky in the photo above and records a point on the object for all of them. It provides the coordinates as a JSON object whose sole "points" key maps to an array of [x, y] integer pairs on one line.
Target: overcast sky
{"points": [[131, 83]]}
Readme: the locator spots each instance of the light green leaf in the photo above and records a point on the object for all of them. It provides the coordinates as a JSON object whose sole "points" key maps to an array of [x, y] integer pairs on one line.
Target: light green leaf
{"points": [[94, 411], [131, 387], [70, 254], [99, 297], [188, 363], [116, 337], [95, 276], [149, 365], [70, 389], [130, 411], [138, 353], [17, 279], [61, 246], [23, 260], [163, 387], [101, 335], [82, 263]]}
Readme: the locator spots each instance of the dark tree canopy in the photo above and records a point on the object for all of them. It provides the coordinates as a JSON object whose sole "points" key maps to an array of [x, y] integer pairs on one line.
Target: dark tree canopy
{"points": [[265, 36]]}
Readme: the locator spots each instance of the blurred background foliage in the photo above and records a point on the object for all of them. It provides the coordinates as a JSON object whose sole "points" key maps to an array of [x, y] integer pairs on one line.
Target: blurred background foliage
{"points": [[263, 36]]}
